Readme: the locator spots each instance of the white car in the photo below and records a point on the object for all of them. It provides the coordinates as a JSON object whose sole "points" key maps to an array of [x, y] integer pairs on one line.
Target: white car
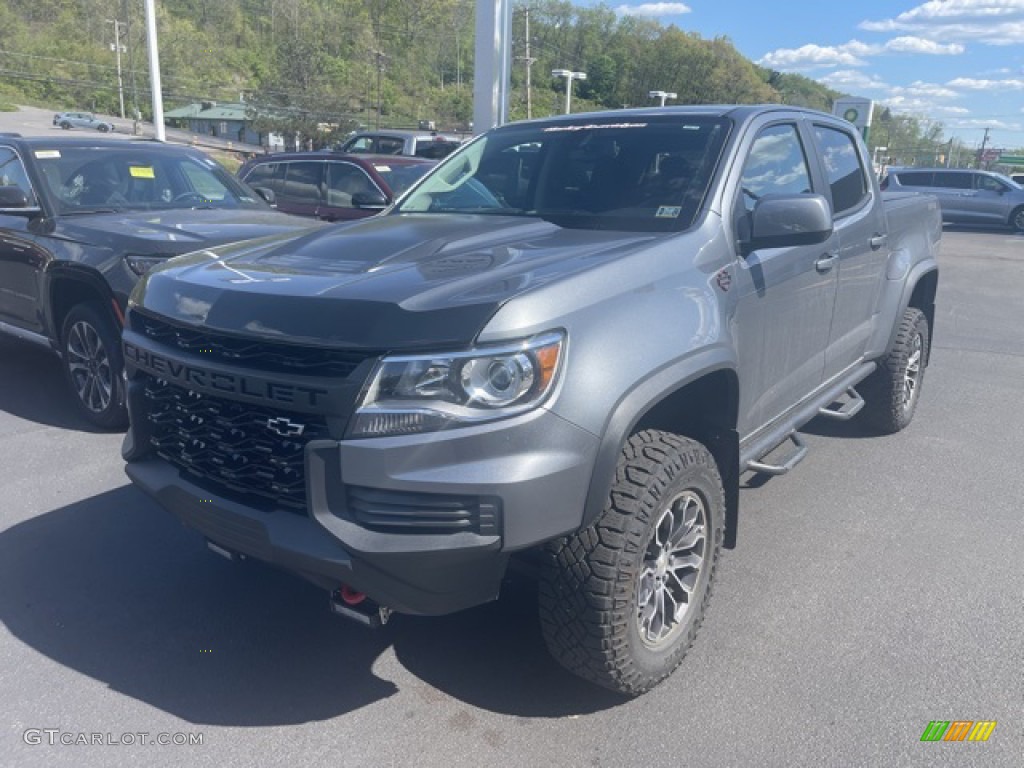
{"points": [[68, 120]]}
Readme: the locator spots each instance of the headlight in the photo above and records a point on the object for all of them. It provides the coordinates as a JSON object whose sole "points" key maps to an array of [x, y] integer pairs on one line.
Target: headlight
{"points": [[140, 265], [423, 393]]}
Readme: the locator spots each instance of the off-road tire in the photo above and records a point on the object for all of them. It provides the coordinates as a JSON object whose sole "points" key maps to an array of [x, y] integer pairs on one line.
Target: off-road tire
{"points": [[590, 582], [89, 332], [889, 406]]}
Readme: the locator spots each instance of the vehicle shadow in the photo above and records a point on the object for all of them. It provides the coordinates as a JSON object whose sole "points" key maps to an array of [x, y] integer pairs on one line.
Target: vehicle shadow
{"points": [[112, 587], [32, 386]]}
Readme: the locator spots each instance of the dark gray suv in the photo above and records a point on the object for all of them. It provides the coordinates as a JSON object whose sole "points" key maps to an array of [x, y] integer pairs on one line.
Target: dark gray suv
{"points": [[966, 197]]}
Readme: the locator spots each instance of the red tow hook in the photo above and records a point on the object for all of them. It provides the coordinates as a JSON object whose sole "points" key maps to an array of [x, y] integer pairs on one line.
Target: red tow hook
{"points": [[350, 596]]}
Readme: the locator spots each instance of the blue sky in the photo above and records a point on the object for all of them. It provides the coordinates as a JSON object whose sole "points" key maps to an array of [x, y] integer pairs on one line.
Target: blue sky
{"points": [[958, 62]]}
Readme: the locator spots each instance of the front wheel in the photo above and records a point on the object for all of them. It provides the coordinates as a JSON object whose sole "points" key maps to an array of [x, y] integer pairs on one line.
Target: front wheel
{"points": [[93, 365], [65, 125], [1017, 219], [104, 128], [892, 391], [621, 600]]}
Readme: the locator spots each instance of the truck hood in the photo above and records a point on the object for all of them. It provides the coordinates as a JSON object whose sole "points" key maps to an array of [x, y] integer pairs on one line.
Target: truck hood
{"points": [[392, 282], [174, 232]]}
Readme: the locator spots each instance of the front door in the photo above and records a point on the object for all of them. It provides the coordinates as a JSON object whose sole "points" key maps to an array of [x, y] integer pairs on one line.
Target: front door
{"points": [[784, 301], [21, 259]]}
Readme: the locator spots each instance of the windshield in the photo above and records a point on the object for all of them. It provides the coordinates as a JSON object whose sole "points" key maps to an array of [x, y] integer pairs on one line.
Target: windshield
{"points": [[637, 173], [88, 179], [400, 177]]}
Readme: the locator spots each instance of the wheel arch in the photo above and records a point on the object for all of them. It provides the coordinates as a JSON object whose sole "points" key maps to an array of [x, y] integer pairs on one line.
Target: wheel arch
{"points": [[922, 297], [699, 401], [72, 285]]}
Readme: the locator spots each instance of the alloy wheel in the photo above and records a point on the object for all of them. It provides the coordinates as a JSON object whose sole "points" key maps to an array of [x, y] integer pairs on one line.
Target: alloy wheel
{"points": [[89, 365]]}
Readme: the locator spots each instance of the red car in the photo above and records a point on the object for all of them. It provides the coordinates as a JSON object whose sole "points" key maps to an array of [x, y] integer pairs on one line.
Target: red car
{"points": [[332, 186]]}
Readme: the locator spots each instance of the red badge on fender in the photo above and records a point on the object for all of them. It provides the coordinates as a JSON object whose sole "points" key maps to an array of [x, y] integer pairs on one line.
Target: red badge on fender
{"points": [[724, 279]]}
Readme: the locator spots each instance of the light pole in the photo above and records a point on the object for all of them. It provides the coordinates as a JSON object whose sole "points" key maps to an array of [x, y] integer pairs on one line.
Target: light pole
{"points": [[662, 95], [117, 47], [154, 72], [569, 76]]}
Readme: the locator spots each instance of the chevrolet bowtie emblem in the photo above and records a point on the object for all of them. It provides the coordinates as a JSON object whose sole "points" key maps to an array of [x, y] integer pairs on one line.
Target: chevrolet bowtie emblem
{"points": [[284, 427]]}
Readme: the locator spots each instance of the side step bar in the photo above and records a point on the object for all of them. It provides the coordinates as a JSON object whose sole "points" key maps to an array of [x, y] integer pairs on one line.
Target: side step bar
{"points": [[846, 410], [780, 469]]}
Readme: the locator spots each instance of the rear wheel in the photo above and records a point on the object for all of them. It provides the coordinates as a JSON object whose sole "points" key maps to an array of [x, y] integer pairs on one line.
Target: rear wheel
{"points": [[104, 128], [93, 364], [892, 391], [621, 601], [1017, 219], [65, 125]]}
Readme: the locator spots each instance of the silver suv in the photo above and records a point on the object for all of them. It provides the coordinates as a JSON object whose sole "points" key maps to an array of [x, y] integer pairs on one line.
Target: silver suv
{"points": [[966, 197], [428, 144]]}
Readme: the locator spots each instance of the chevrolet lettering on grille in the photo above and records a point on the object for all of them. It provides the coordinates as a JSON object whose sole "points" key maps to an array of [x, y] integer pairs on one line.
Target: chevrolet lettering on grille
{"points": [[285, 427]]}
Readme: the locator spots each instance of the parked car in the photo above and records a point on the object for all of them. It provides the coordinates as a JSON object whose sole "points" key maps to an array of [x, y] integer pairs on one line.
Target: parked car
{"points": [[429, 144], [564, 345], [966, 196], [68, 120], [330, 186], [82, 219]]}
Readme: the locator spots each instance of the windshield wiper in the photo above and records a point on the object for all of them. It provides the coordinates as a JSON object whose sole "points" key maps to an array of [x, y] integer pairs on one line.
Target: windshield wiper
{"points": [[86, 211]]}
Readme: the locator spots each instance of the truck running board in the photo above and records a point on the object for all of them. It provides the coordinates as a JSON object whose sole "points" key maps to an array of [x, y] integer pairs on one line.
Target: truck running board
{"points": [[800, 451], [843, 410]]}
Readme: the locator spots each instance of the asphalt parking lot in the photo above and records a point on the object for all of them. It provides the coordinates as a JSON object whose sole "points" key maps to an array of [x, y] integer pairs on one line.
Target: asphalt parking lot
{"points": [[876, 588]]}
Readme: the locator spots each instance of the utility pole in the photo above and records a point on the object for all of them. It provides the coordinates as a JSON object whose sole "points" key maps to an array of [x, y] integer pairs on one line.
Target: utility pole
{"points": [[529, 63], [117, 48], [981, 152], [380, 55]]}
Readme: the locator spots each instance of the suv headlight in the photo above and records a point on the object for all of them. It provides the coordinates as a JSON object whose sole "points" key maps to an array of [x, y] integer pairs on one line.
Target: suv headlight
{"points": [[409, 394]]}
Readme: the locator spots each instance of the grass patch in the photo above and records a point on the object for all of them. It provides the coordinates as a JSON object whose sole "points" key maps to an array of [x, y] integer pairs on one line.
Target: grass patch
{"points": [[6, 106]]}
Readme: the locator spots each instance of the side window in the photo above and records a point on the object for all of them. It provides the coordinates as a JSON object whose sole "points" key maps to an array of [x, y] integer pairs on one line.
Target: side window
{"points": [[987, 183], [269, 175], [950, 180], [345, 180], [13, 174], [915, 178], [387, 145], [302, 184], [361, 145], [846, 177], [777, 164]]}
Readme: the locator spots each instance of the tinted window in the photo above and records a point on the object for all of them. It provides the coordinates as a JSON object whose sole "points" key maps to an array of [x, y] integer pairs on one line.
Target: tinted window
{"points": [[950, 180], [845, 174], [915, 178], [345, 180], [777, 165], [269, 175], [434, 149], [12, 174], [302, 184]]}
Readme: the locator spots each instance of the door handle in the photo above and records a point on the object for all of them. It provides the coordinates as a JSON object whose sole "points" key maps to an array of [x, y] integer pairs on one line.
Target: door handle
{"points": [[877, 241], [826, 262]]}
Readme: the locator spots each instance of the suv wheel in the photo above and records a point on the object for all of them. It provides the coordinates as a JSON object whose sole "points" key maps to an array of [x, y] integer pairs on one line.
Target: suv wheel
{"points": [[91, 352], [65, 125], [621, 601], [1017, 219], [892, 391], [104, 128]]}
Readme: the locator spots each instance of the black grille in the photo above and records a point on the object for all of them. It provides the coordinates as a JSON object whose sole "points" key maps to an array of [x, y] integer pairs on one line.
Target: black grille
{"points": [[243, 450], [400, 512], [249, 353]]}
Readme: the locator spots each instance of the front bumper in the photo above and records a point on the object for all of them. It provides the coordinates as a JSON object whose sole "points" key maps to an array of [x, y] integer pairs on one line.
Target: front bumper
{"points": [[530, 475]]}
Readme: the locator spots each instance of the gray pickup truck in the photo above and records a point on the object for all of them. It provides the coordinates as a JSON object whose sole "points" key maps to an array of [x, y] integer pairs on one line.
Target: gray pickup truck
{"points": [[564, 346]]}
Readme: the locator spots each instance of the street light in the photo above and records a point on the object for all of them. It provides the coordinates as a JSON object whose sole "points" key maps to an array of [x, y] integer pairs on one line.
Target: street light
{"points": [[569, 76], [662, 95]]}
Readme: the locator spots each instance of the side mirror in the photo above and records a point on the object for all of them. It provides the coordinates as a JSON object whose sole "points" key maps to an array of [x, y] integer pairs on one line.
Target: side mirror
{"points": [[13, 200], [783, 221], [373, 201], [267, 194]]}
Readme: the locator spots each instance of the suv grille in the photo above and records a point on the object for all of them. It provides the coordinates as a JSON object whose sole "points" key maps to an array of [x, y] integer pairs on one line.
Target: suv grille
{"points": [[243, 449], [261, 354]]}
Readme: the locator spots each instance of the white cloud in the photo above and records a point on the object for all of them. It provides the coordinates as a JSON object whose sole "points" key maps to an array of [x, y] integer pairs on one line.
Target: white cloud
{"points": [[852, 79], [921, 89], [813, 56], [992, 22], [998, 125], [972, 84], [911, 44], [653, 9]]}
